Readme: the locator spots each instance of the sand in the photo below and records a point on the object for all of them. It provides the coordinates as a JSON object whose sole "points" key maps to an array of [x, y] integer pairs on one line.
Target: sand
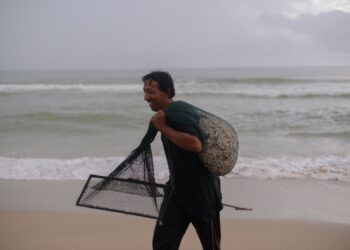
{"points": [[288, 214]]}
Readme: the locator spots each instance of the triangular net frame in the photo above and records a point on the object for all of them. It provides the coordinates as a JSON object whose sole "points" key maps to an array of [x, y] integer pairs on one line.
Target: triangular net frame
{"points": [[131, 188]]}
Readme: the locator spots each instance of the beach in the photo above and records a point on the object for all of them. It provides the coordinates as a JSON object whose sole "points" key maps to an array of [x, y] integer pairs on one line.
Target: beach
{"points": [[287, 214]]}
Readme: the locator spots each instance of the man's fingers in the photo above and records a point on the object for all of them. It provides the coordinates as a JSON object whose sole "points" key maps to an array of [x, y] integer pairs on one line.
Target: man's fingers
{"points": [[160, 113]]}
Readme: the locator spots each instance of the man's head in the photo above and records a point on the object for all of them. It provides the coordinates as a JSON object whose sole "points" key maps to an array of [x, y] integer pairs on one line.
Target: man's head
{"points": [[158, 89]]}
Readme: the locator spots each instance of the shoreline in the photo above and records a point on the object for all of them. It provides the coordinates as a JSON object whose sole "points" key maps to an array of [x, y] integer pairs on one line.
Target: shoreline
{"points": [[288, 214], [300, 199]]}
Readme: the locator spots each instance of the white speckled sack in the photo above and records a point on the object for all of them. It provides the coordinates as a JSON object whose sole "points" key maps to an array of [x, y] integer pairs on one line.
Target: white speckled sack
{"points": [[220, 152]]}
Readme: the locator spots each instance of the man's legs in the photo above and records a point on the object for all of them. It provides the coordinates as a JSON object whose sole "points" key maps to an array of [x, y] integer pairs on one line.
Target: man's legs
{"points": [[169, 231], [169, 235], [208, 230]]}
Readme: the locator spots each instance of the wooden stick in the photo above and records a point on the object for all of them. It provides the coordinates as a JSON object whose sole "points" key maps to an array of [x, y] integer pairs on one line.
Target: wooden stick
{"points": [[238, 208]]}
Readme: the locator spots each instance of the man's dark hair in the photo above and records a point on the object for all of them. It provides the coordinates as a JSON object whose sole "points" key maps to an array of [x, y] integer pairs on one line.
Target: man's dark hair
{"points": [[164, 80]]}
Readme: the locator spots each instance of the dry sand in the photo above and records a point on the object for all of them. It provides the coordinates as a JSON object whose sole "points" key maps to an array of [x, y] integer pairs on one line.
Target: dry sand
{"points": [[53, 230], [288, 214]]}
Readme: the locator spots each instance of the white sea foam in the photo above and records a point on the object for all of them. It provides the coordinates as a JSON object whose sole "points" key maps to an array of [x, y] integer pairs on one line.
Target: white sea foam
{"points": [[267, 90], [324, 168], [122, 88], [272, 90]]}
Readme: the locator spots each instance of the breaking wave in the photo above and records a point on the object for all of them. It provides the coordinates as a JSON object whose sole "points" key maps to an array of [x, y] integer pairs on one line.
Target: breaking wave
{"points": [[264, 90], [324, 168]]}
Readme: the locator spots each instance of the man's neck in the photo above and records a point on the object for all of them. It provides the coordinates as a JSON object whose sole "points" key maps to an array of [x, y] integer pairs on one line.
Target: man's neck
{"points": [[167, 104]]}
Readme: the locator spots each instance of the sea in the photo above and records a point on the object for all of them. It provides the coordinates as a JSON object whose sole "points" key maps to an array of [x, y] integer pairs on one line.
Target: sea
{"points": [[292, 122]]}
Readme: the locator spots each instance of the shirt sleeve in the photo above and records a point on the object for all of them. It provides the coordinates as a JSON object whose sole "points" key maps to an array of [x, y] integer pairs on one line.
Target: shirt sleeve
{"points": [[185, 122]]}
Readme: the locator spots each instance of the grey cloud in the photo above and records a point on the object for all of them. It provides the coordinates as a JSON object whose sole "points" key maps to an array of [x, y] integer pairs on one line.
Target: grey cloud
{"points": [[162, 33], [329, 29]]}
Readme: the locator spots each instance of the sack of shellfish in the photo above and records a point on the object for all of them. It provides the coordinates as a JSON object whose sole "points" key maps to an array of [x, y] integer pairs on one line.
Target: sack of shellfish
{"points": [[220, 141]]}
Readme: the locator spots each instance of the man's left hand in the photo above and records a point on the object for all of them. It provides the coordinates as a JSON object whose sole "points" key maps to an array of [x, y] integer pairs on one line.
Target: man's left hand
{"points": [[159, 120]]}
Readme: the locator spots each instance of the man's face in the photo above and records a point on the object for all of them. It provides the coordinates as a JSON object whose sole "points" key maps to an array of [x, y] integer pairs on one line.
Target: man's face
{"points": [[156, 98]]}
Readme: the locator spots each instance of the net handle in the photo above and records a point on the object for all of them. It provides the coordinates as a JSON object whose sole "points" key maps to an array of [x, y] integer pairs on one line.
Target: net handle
{"points": [[238, 208]]}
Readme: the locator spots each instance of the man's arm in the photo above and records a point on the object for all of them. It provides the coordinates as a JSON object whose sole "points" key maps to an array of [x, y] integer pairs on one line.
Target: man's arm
{"points": [[183, 140]]}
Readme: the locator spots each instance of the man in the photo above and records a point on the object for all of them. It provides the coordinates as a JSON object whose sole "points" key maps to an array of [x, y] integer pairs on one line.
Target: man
{"points": [[193, 194]]}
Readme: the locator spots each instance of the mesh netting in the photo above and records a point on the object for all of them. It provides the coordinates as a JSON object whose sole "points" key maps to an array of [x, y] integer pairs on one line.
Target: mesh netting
{"points": [[122, 195], [131, 188]]}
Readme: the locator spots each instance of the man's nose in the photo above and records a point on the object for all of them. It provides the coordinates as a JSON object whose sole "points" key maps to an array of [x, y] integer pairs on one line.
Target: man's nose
{"points": [[145, 97]]}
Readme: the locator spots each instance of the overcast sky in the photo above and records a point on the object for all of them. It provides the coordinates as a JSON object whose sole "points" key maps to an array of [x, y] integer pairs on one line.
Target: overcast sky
{"points": [[110, 34]]}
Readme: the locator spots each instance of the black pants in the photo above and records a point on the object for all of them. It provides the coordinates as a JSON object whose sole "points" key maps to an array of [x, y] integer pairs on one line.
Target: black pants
{"points": [[169, 231]]}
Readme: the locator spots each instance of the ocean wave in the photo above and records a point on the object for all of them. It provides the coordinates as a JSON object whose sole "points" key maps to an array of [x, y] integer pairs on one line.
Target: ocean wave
{"points": [[122, 88], [341, 134], [323, 167], [307, 90], [70, 117], [264, 90], [55, 169], [280, 80]]}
